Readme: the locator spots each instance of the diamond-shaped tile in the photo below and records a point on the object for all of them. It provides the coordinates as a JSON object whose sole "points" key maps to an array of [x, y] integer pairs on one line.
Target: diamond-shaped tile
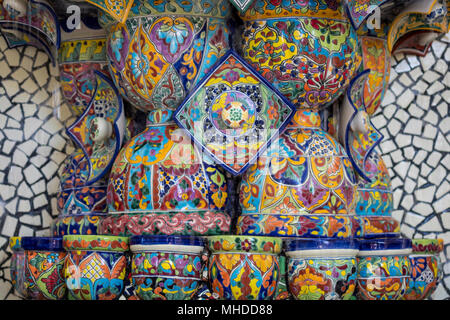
{"points": [[234, 113]]}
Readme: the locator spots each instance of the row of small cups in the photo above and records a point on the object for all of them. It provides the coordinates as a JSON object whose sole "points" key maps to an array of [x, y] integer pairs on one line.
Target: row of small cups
{"points": [[96, 267]]}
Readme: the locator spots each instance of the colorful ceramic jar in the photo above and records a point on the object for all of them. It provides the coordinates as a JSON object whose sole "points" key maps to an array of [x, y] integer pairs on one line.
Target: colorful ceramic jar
{"points": [[322, 269], [44, 268], [243, 267], [166, 267], [164, 48], [426, 269], [303, 185], [383, 268], [162, 184], [95, 267], [307, 49], [17, 266]]}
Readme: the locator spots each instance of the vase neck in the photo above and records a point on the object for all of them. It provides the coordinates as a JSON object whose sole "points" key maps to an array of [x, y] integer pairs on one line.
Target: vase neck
{"points": [[160, 117], [308, 118]]}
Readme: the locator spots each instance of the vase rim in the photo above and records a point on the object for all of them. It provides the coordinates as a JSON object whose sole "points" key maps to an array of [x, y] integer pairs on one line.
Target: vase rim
{"points": [[183, 240], [42, 243], [385, 246], [84, 242]]}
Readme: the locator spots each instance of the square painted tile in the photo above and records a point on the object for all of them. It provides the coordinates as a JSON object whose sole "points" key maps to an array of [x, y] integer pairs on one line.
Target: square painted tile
{"points": [[234, 114]]}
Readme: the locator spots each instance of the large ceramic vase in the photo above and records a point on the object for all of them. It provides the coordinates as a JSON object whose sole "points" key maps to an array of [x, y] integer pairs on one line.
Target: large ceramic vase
{"points": [[97, 132], [322, 269], [166, 267], [95, 267], [161, 184], [426, 269], [44, 268], [307, 49], [164, 48], [303, 185], [244, 268]]}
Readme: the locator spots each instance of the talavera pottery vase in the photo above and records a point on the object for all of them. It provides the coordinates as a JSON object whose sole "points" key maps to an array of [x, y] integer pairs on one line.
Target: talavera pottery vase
{"points": [[98, 131], [164, 48], [243, 267], [426, 269], [17, 266], [383, 268], [322, 269], [95, 266], [44, 268], [166, 267], [303, 185], [307, 49], [162, 184]]}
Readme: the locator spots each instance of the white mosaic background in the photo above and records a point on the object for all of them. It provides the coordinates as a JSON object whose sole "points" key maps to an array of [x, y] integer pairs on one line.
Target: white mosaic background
{"points": [[414, 118]]}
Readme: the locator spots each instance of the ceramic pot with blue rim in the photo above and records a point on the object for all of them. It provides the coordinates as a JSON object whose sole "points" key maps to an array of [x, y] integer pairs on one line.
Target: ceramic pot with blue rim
{"points": [[17, 266], [383, 268], [426, 269], [95, 266], [163, 48], [44, 268], [322, 268], [166, 267], [244, 267]]}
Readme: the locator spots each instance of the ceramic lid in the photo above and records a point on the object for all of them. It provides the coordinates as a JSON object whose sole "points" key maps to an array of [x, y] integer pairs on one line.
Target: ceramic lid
{"points": [[321, 247], [385, 246], [42, 243]]}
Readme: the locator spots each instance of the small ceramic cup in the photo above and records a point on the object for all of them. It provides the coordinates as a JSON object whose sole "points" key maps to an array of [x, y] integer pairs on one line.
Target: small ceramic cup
{"points": [[95, 267], [322, 268], [244, 267], [44, 268], [166, 267], [383, 268], [17, 266], [426, 269]]}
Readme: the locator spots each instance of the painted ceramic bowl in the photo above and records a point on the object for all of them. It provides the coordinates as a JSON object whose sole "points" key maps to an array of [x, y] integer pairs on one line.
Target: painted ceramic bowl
{"points": [[383, 268], [426, 269], [44, 268], [322, 269], [161, 183], [166, 267], [307, 49], [243, 267], [164, 49], [95, 267], [17, 266]]}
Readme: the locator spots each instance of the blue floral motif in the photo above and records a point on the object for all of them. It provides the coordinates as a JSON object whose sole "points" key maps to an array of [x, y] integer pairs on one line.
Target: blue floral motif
{"points": [[173, 35]]}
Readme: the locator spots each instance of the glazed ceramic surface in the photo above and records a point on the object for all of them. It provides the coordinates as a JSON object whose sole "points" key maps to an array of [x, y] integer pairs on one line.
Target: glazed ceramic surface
{"points": [[322, 269], [234, 114], [426, 269], [165, 48], [162, 184], [244, 268], [304, 184], [44, 268], [308, 50], [32, 23], [18, 266], [95, 267], [166, 267], [383, 268]]}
